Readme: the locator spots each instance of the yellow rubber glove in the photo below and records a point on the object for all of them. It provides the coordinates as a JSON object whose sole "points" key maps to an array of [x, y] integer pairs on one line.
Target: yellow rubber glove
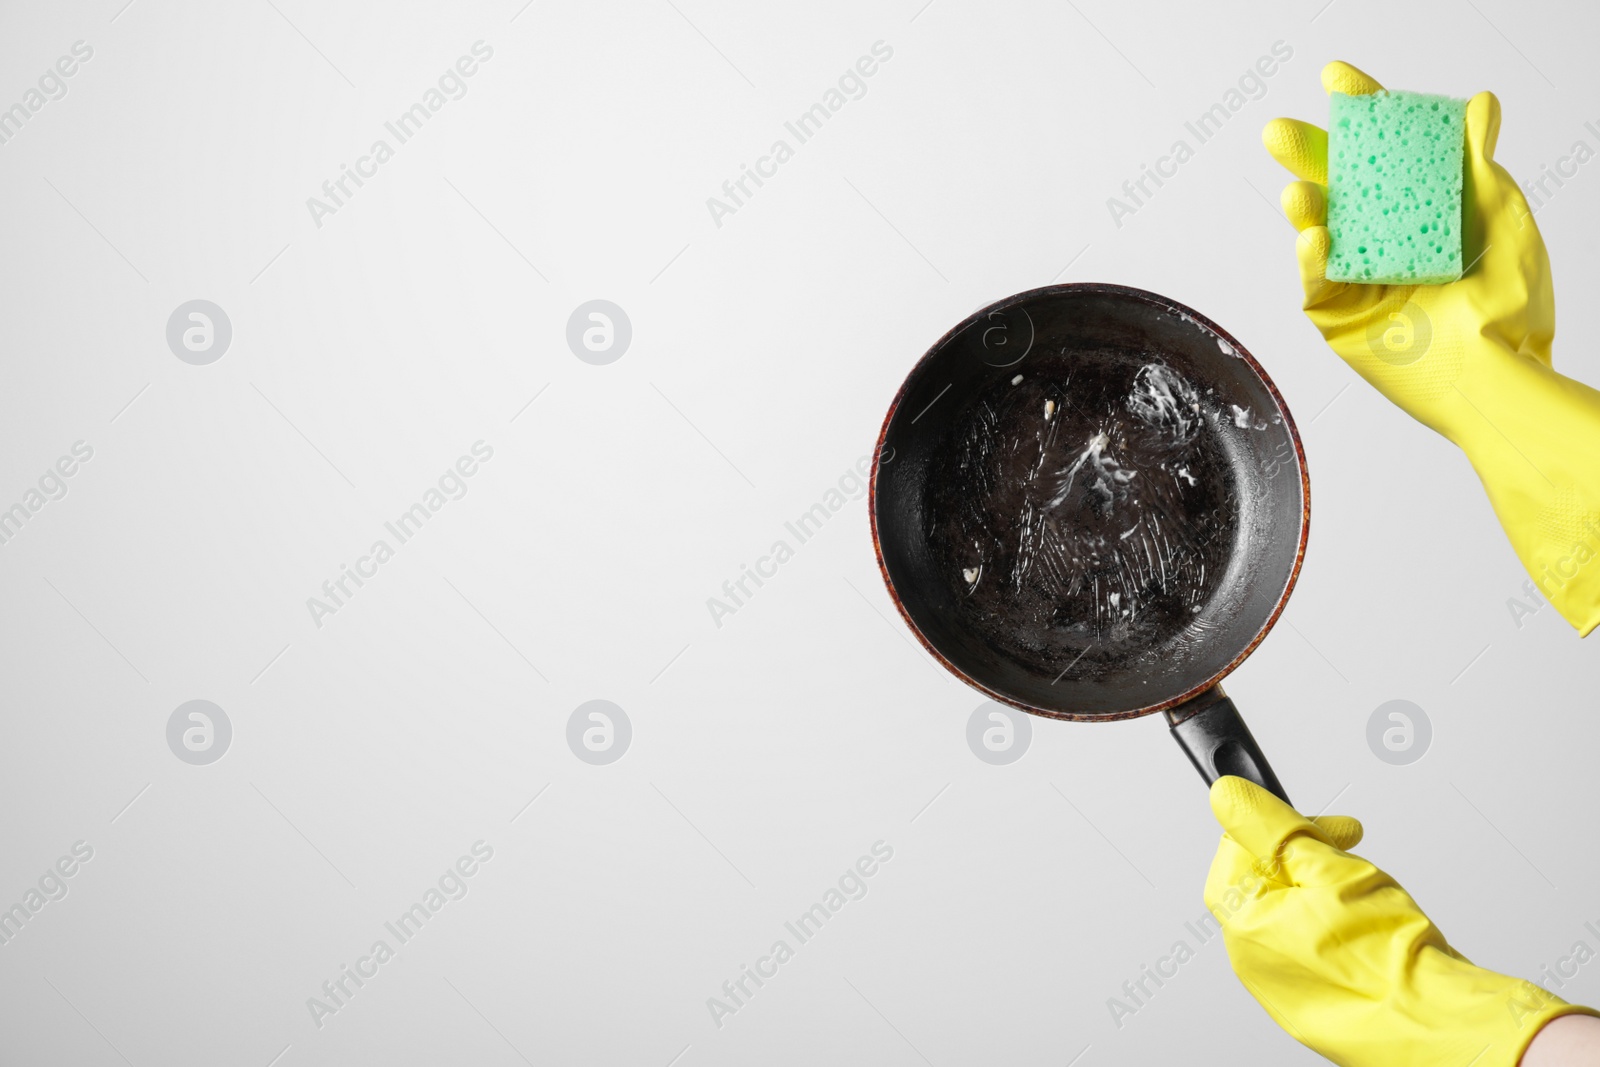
{"points": [[1342, 958], [1470, 359]]}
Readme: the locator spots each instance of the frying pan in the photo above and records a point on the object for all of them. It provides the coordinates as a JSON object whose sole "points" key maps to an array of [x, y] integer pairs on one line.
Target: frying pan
{"points": [[1090, 503]]}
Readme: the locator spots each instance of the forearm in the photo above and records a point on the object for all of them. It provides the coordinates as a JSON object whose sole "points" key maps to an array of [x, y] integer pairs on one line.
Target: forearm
{"points": [[1567, 1041]]}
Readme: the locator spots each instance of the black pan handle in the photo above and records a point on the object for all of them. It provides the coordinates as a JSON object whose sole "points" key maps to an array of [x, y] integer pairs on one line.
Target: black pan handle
{"points": [[1210, 729]]}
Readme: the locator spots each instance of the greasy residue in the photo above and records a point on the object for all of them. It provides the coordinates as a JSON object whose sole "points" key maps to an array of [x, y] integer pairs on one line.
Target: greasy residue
{"points": [[1085, 511]]}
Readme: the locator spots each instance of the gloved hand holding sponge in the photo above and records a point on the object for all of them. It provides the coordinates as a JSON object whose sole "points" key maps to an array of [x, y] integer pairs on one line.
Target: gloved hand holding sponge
{"points": [[1470, 358], [1423, 269]]}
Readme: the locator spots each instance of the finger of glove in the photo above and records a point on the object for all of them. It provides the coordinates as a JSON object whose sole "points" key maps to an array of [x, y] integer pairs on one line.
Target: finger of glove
{"points": [[1258, 821], [1341, 77], [1311, 251], [1301, 148], [1490, 189], [1491, 196], [1483, 130], [1343, 831], [1305, 204]]}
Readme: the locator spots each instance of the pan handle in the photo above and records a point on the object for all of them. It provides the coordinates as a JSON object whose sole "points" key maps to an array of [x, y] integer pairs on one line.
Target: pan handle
{"points": [[1210, 730]]}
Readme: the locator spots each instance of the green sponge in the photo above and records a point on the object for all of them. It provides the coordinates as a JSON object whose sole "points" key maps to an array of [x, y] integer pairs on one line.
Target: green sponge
{"points": [[1394, 188]]}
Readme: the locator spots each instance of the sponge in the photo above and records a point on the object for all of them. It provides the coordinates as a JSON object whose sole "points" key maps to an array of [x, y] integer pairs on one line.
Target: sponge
{"points": [[1394, 188]]}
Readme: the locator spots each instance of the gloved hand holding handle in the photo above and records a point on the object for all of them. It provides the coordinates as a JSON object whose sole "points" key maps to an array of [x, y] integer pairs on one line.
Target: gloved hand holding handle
{"points": [[1470, 359], [1345, 961]]}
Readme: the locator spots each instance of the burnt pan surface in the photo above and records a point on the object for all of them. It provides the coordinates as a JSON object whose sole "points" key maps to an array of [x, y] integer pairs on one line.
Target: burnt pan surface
{"points": [[1089, 501]]}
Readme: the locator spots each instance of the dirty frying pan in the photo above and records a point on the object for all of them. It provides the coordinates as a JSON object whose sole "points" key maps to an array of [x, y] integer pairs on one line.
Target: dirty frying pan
{"points": [[1089, 502]]}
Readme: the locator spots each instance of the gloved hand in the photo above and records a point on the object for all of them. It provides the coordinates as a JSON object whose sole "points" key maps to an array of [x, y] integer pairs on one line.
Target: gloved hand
{"points": [[1342, 958], [1470, 359]]}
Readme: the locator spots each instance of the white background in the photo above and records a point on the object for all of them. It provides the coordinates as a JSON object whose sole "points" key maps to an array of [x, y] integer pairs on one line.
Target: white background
{"points": [[769, 753]]}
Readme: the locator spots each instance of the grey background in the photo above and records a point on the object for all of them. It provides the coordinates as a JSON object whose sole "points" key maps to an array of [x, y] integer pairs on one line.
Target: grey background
{"points": [[767, 754]]}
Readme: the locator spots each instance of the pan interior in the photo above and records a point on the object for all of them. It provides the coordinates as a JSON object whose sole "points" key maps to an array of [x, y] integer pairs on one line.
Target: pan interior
{"points": [[1102, 508]]}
